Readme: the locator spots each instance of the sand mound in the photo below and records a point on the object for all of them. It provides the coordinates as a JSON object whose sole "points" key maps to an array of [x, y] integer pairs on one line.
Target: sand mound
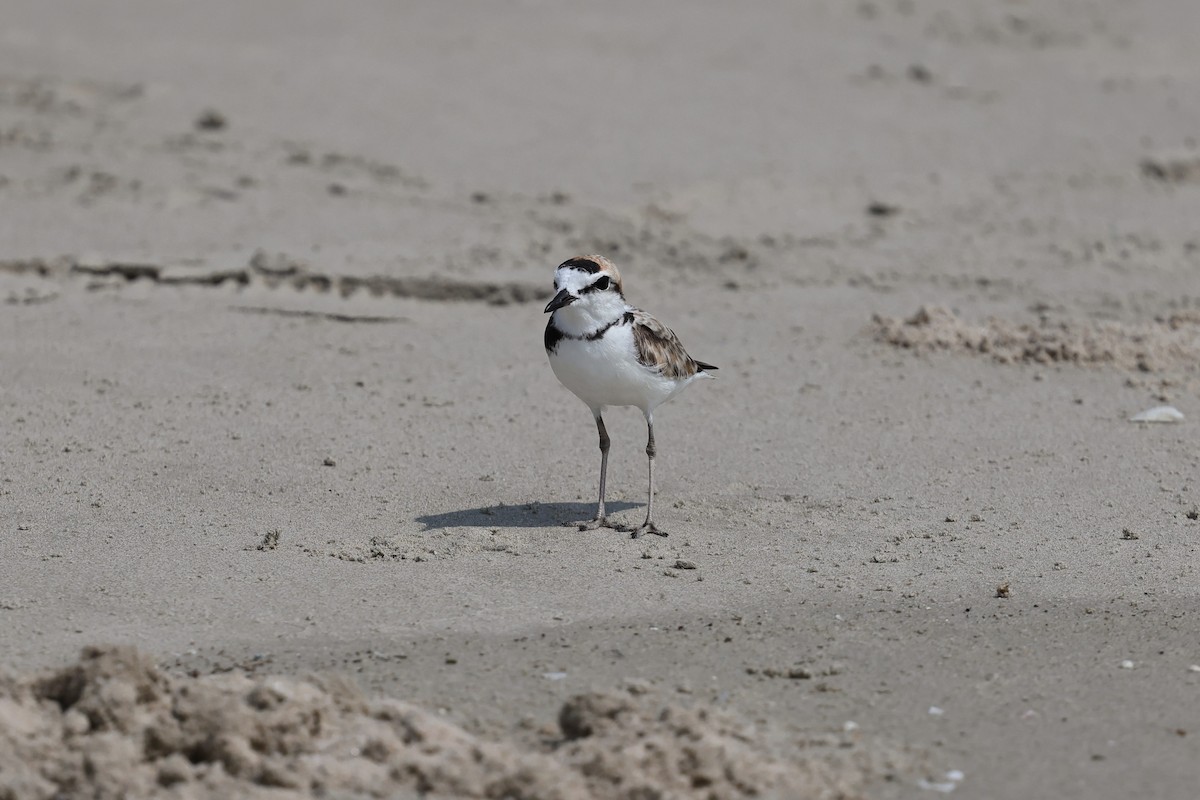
{"points": [[114, 726], [1169, 345]]}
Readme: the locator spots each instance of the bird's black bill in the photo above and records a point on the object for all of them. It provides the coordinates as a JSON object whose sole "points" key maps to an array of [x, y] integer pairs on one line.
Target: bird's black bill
{"points": [[563, 298]]}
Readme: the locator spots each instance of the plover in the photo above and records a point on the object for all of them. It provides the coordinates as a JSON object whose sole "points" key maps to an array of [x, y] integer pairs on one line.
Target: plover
{"points": [[611, 354]]}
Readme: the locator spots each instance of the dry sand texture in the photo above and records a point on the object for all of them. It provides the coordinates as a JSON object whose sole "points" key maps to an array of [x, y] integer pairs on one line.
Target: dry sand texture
{"points": [[115, 726], [274, 404]]}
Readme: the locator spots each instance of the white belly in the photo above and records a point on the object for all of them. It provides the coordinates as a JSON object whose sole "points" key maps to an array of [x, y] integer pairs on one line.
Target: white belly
{"points": [[606, 372]]}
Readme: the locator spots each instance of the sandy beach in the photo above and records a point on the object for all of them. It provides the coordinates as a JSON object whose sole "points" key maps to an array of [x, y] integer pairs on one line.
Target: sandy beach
{"points": [[286, 479]]}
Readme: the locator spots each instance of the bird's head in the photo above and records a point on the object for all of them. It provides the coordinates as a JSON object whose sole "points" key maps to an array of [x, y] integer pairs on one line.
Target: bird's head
{"points": [[588, 288]]}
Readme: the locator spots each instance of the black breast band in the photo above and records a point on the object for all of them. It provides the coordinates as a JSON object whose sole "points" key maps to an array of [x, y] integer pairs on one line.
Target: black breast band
{"points": [[554, 334]]}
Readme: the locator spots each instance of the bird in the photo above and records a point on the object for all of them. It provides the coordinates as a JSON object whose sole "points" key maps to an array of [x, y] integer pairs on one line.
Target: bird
{"points": [[609, 353]]}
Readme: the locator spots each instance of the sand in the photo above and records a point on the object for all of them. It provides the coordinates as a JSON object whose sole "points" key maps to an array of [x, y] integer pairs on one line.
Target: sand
{"points": [[113, 725], [1166, 346], [275, 410]]}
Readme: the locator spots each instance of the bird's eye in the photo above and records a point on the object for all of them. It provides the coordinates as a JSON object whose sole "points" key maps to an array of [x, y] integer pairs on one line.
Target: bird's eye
{"points": [[603, 283]]}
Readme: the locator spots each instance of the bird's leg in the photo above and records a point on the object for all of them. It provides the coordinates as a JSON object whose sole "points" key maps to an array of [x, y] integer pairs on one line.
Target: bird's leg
{"points": [[648, 526], [600, 521]]}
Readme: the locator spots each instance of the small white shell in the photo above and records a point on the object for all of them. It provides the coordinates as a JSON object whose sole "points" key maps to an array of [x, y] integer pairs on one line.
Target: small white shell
{"points": [[948, 784], [1159, 414]]}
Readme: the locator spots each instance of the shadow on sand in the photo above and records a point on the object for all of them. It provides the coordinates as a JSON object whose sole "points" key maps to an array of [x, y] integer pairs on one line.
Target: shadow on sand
{"points": [[526, 515]]}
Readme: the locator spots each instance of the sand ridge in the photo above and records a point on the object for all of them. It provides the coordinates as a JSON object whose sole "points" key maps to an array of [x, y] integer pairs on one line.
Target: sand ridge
{"points": [[1171, 345], [113, 725]]}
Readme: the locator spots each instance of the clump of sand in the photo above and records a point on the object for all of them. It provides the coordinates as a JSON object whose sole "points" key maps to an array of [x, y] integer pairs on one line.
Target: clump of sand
{"points": [[114, 726], [1172, 344]]}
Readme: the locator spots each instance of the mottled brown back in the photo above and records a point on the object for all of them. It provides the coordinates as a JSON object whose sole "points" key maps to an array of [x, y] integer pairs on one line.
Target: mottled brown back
{"points": [[659, 348]]}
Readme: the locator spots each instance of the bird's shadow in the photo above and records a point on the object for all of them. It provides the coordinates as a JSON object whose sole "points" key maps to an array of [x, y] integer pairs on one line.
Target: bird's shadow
{"points": [[523, 515]]}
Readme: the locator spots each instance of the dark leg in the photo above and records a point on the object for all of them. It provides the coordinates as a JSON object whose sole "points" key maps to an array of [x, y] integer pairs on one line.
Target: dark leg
{"points": [[600, 520], [648, 526]]}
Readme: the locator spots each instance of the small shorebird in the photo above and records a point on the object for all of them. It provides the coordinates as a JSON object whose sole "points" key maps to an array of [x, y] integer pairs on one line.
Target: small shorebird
{"points": [[611, 354]]}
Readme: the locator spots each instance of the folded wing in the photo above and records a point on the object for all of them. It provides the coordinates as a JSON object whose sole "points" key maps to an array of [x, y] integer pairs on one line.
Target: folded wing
{"points": [[658, 348]]}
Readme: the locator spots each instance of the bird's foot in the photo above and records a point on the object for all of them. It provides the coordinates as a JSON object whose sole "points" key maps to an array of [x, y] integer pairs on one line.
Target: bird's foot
{"points": [[646, 527], [598, 522]]}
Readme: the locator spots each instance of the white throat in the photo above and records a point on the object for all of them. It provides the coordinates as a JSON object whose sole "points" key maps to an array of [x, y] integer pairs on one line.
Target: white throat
{"points": [[592, 311], [589, 314]]}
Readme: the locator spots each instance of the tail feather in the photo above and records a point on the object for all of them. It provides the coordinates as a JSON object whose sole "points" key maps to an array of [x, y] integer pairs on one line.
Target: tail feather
{"points": [[705, 367]]}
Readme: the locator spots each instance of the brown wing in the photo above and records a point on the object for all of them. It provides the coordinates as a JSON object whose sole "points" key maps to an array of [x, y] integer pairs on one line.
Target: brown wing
{"points": [[659, 348]]}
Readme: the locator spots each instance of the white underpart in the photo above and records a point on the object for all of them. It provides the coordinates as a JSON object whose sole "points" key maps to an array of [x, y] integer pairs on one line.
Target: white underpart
{"points": [[605, 372]]}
